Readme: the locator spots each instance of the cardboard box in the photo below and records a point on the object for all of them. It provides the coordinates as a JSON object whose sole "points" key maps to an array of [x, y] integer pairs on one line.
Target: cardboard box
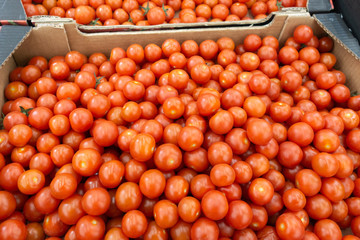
{"points": [[58, 38]]}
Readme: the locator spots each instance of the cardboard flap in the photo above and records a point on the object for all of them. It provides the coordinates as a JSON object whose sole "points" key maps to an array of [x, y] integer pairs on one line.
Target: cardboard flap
{"points": [[80, 41], [49, 20], [337, 27], [12, 36], [119, 28], [318, 6], [53, 42], [242, 23], [12, 10]]}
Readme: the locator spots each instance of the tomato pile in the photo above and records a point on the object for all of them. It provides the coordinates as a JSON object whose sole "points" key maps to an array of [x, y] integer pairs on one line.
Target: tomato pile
{"points": [[209, 141], [145, 12]]}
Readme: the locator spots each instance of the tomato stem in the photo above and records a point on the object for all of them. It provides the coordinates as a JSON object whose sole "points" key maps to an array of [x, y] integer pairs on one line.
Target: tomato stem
{"points": [[354, 93], [130, 20], [165, 10], [94, 22], [98, 80], [25, 111], [2, 120], [146, 9]]}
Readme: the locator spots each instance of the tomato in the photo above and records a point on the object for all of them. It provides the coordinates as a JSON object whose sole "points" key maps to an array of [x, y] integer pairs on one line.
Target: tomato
{"points": [[13, 229], [219, 152], [190, 138], [111, 173], [318, 207], [294, 199], [96, 201], [288, 54], [84, 14], [249, 61], [207, 104], [44, 202], [152, 183], [189, 209], [325, 164], [35, 231], [134, 224], [156, 15], [196, 160], [333, 189], [210, 198], [31, 181], [176, 188], [303, 34], [15, 90], [256, 135], [326, 228], [19, 135], [308, 182], [239, 215], [70, 210], [63, 185], [204, 228], [166, 152], [222, 175], [261, 191], [53, 226], [86, 162], [165, 214], [9, 176], [173, 107], [289, 226], [326, 140], [290, 154], [259, 164], [354, 226], [8, 204], [254, 107], [90, 227], [128, 197], [351, 140]]}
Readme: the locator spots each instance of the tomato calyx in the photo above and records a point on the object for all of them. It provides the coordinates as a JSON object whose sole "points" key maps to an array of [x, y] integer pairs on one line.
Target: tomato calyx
{"points": [[25, 111], [130, 20], [279, 4], [98, 80], [2, 120], [354, 93], [94, 22], [165, 10], [146, 9]]}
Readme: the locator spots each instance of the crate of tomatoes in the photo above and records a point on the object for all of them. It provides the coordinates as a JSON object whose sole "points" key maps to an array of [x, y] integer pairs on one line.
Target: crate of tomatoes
{"points": [[122, 15], [218, 133]]}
